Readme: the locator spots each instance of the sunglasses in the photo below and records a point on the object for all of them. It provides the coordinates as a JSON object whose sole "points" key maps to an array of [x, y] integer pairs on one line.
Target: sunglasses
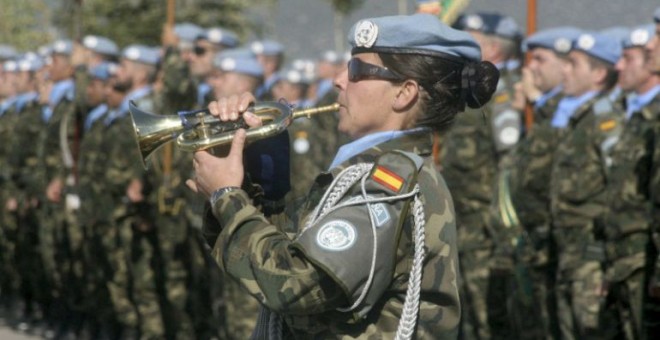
{"points": [[359, 70], [199, 50]]}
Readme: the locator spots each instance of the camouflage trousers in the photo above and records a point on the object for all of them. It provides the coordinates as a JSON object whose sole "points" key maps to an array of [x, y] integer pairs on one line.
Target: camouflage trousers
{"points": [[580, 301], [474, 277]]}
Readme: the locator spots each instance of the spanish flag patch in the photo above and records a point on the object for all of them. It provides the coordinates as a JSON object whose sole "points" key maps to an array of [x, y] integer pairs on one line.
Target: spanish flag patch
{"points": [[387, 178], [608, 125], [502, 98]]}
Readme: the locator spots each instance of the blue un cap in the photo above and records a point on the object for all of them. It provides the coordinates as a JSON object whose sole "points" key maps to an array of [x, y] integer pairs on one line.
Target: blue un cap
{"points": [[62, 47], [141, 54], [558, 39], [639, 36], [294, 76], [413, 34], [29, 64], [490, 23], [221, 36], [103, 71], [267, 47], [188, 31], [618, 33], [101, 45], [7, 52], [599, 46], [239, 62]]}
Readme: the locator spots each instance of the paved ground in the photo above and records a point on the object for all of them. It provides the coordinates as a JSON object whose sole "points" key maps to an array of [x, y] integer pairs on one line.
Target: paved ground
{"points": [[10, 334]]}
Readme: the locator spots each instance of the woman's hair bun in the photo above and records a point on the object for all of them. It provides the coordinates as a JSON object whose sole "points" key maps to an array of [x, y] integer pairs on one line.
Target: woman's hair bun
{"points": [[479, 83]]}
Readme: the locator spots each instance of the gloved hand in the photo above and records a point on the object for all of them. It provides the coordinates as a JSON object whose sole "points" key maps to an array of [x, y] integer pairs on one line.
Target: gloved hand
{"points": [[267, 164]]}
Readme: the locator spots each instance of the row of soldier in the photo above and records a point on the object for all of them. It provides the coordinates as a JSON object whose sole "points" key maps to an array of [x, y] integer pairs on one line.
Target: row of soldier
{"points": [[91, 243], [555, 212], [555, 184]]}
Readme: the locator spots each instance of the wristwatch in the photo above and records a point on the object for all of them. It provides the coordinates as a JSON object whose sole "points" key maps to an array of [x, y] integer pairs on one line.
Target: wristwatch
{"points": [[215, 196]]}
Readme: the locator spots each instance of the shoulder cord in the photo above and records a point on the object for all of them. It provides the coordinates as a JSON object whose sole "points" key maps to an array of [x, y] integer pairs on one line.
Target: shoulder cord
{"points": [[328, 203]]}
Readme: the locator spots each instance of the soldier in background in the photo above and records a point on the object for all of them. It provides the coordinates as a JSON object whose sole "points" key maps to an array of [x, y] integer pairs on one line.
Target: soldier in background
{"points": [[578, 183], [270, 55], [470, 155], [627, 222]]}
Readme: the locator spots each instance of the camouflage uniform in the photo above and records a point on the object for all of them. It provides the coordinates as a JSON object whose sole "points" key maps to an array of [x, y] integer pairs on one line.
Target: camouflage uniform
{"points": [[469, 159], [626, 225], [521, 222], [579, 177], [266, 258]]}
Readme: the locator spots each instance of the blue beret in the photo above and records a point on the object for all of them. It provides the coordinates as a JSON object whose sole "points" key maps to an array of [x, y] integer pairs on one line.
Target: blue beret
{"points": [[307, 67], [103, 71], [62, 47], [558, 39], [490, 23], [10, 66], [221, 36], [656, 15], [599, 46], [141, 54], [412, 34], [100, 45], [618, 33], [45, 50], [188, 31], [238, 62], [639, 36], [293, 76], [267, 47], [29, 64], [331, 57], [7, 52]]}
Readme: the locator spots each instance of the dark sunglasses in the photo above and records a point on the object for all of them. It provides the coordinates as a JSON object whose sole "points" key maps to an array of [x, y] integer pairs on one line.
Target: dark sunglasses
{"points": [[199, 50], [359, 70]]}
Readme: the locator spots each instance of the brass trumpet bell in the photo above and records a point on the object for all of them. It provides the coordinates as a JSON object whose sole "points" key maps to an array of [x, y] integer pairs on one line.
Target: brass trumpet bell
{"points": [[199, 130]]}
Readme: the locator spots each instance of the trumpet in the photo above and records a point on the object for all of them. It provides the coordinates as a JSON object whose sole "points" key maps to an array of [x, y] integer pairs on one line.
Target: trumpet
{"points": [[199, 130]]}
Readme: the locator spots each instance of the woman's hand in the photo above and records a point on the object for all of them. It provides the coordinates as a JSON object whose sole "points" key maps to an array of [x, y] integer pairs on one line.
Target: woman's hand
{"points": [[211, 172]]}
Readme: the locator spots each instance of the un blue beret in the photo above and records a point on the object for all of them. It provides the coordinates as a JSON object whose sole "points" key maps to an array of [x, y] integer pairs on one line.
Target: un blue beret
{"points": [[639, 36], [305, 66], [490, 23], [100, 45], [141, 54], [188, 31], [656, 15], [10, 66], [45, 50], [558, 39], [7, 52], [103, 71], [239, 62], [267, 47], [412, 34], [62, 47], [29, 64], [293, 76], [599, 46], [331, 57], [618, 33], [221, 36]]}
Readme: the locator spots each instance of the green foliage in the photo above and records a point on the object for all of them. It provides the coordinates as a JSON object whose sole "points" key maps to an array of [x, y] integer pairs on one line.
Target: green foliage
{"points": [[21, 23], [345, 7]]}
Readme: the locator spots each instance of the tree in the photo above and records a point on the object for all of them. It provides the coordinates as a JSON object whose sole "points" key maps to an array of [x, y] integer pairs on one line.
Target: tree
{"points": [[22, 24], [342, 8]]}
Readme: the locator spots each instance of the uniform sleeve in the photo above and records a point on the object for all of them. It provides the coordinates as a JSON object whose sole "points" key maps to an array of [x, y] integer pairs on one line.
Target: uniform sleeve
{"points": [[261, 257], [655, 201]]}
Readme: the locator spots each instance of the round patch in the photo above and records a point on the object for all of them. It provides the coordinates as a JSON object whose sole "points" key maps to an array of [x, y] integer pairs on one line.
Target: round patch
{"points": [[90, 41], [215, 35], [509, 135], [639, 37], [562, 45], [586, 42], [59, 46], [366, 33], [301, 145], [336, 235], [132, 53], [257, 47], [474, 22], [228, 64], [293, 76]]}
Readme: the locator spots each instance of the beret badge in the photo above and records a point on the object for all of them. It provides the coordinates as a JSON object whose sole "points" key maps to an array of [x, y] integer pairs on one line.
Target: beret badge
{"points": [[562, 45], [639, 37], [366, 34], [586, 42]]}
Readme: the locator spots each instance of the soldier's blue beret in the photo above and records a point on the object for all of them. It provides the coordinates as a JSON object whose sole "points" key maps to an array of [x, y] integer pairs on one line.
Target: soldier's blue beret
{"points": [[412, 34], [7, 52], [62, 47], [188, 32], [239, 62], [639, 36], [618, 33], [29, 64], [558, 39], [221, 36], [306, 67], [102, 71], [331, 57], [293, 76], [656, 15], [100, 45], [490, 23], [141, 54], [44, 50], [10, 66], [599, 46], [267, 47]]}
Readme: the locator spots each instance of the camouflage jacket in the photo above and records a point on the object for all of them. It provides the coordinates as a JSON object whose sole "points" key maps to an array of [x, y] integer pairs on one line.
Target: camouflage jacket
{"points": [[628, 220], [579, 178], [23, 156], [272, 265]]}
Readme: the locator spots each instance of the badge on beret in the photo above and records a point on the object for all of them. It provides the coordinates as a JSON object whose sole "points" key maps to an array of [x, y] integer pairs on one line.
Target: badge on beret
{"points": [[562, 45], [60, 46], [366, 33], [133, 53], [474, 22], [639, 37], [215, 35], [90, 41], [586, 42], [336, 235], [228, 64], [257, 47]]}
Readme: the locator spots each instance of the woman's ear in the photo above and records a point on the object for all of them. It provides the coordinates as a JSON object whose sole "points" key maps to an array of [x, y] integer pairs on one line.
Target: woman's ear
{"points": [[406, 95]]}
